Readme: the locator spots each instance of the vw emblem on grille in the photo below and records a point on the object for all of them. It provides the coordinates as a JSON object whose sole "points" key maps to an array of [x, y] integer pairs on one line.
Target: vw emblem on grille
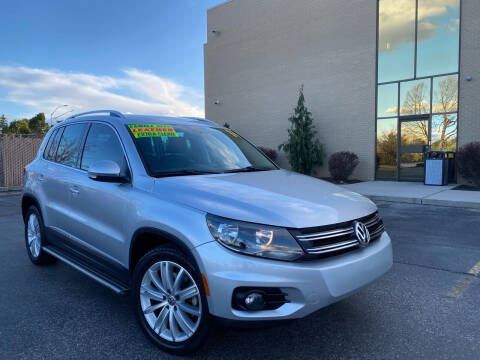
{"points": [[361, 233]]}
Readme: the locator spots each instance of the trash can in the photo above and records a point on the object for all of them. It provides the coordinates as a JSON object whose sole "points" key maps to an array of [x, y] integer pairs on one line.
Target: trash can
{"points": [[452, 176], [436, 168]]}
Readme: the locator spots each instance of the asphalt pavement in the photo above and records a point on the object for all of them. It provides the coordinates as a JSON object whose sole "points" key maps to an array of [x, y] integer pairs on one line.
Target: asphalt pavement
{"points": [[426, 307]]}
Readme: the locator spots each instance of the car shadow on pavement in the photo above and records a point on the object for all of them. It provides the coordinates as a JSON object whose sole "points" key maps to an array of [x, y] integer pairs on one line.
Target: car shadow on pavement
{"points": [[319, 335]]}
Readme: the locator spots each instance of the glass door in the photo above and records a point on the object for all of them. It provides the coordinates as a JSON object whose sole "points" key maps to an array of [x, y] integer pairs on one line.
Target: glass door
{"points": [[413, 140]]}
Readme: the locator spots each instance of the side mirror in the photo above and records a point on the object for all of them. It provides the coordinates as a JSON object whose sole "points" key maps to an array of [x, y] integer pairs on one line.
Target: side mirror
{"points": [[106, 170]]}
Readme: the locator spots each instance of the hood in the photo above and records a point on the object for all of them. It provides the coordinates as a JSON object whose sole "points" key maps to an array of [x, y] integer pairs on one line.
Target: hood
{"points": [[277, 197]]}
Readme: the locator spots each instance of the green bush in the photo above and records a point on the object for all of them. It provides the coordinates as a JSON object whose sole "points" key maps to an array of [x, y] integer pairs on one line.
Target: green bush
{"points": [[304, 151]]}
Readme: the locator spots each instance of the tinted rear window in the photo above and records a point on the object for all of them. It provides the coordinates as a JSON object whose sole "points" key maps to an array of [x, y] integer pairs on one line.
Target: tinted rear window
{"points": [[69, 147], [49, 143], [52, 148]]}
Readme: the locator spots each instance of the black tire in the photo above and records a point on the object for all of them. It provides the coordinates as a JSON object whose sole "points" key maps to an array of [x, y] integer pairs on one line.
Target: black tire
{"points": [[168, 253], [42, 258]]}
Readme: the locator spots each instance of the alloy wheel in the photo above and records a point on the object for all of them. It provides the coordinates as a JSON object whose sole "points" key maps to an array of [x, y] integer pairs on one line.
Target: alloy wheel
{"points": [[170, 301], [34, 235]]}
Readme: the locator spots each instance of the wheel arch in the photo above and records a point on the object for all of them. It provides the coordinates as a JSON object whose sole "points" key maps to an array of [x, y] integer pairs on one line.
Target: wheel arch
{"points": [[27, 201], [148, 238]]}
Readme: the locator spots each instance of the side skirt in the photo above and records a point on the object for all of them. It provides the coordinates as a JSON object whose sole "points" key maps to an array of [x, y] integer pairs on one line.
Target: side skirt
{"points": [[103, 271], [118, 288]]}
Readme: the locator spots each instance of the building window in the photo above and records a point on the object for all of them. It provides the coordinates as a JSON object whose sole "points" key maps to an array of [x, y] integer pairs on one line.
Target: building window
{"points": [[444, 132], [417, 83], [396, 40], [438, 37], [386, 161], [387, 100], [415, 97]]}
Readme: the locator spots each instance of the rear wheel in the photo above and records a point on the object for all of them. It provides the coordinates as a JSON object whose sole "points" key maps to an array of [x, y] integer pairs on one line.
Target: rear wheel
{"points": [[170, 300], [34, 237]]}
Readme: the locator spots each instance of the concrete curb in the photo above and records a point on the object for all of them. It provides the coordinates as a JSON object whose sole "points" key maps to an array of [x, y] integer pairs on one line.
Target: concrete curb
{"points": [[399, 199], [416, 193], [10, 188], [462, 204], [426, 201], [10, 193]]}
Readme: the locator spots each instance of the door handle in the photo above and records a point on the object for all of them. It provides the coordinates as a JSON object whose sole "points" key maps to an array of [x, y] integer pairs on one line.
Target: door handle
{"points": [[74, 190], [41, 177]]}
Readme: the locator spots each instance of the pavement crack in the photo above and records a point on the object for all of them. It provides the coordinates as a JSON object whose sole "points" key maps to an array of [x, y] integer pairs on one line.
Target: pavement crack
{"points": [[437, 268]]}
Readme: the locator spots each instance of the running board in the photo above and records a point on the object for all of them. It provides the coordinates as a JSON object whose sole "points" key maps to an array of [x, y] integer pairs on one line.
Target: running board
{"points": [[117, 288]]}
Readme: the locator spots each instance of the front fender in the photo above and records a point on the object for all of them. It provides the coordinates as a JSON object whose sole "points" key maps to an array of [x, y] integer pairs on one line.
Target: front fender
{"points": [[184, 226]]}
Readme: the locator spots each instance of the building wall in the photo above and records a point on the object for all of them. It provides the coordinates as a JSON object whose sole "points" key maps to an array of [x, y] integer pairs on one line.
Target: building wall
{"points": [[469, 93], [266, 49]]}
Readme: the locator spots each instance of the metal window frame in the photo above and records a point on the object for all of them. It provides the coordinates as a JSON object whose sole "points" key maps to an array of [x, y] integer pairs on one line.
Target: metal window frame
{"points": [[430, 77]]}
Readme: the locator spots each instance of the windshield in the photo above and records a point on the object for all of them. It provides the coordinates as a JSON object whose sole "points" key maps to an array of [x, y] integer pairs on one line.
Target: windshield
{"points": [[188, 150]]}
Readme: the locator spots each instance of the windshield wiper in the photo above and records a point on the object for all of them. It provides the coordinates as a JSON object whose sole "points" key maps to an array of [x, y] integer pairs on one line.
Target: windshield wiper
{"points": [[246, 169], [184, 173]]}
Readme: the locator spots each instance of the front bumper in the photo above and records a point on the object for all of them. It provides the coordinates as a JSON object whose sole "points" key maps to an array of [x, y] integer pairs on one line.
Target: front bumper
{"points": [[310, 285]]}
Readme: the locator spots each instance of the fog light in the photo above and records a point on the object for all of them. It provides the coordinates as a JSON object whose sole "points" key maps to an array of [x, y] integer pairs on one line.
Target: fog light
{"points": [[254, 301], [258, 298]]}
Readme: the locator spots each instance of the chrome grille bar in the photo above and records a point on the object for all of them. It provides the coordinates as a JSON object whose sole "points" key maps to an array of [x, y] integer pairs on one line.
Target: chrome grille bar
{"points": [[333, 247], [344, 243], [372, 221], [377, 231], [325, 234], [337, 232]]}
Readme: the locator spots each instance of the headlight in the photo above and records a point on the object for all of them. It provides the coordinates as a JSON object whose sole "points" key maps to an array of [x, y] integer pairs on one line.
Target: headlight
{"points": [[254, 239]]}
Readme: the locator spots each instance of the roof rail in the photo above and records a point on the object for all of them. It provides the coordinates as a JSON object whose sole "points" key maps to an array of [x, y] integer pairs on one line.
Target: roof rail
{"points": [[199, 119], [110, 112]]}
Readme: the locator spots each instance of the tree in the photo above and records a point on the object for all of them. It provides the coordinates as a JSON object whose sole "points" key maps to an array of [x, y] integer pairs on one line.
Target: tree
{"points": [[416, 132], [446, 100], [34, 125], [415, 102], [3, 124], [387, 147], [304, 151], [19, 127], [38, 125]]}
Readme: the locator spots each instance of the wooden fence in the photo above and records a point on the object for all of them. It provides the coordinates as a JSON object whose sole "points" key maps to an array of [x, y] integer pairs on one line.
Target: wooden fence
{"points": [[16, 151]]}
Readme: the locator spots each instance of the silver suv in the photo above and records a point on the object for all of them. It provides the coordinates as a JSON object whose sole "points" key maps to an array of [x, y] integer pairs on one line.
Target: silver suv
{"points": [[196, 223]]}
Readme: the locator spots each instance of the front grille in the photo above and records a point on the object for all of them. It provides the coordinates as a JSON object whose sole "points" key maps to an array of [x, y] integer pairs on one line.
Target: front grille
{"points": [[333, 239]]}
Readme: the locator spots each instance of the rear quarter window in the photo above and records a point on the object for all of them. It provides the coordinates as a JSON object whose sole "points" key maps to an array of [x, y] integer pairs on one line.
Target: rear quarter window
{"points": [[69, 146], [53, 145], [49, 143]]}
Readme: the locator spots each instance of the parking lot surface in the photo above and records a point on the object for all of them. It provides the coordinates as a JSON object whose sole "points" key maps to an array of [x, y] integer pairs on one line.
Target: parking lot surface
{"points": [[427, 306]]}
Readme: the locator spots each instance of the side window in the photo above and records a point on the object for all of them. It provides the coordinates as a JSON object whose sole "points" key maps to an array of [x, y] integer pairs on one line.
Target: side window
{"points": [[69, 147], [49, 143], [52, 148], [102, 144]]}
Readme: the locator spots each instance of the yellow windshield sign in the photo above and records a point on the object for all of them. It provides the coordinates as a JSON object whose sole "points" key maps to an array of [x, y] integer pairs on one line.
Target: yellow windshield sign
{"points": [[234, 134], [152, 130]]}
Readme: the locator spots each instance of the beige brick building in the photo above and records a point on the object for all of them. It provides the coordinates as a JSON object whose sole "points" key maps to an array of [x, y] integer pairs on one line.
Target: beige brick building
{"points": [[361, 62]]}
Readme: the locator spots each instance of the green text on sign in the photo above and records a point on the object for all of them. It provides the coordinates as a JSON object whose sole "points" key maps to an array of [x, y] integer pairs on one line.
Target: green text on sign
{"points": [[152, 130]]}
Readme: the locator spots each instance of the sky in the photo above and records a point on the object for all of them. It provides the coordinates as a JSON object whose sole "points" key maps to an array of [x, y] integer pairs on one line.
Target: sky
{"points": [[438, 44], [134, 56]]}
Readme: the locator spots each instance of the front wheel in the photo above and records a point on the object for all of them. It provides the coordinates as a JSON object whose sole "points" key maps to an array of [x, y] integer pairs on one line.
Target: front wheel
{"points": [[170, 301]]}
